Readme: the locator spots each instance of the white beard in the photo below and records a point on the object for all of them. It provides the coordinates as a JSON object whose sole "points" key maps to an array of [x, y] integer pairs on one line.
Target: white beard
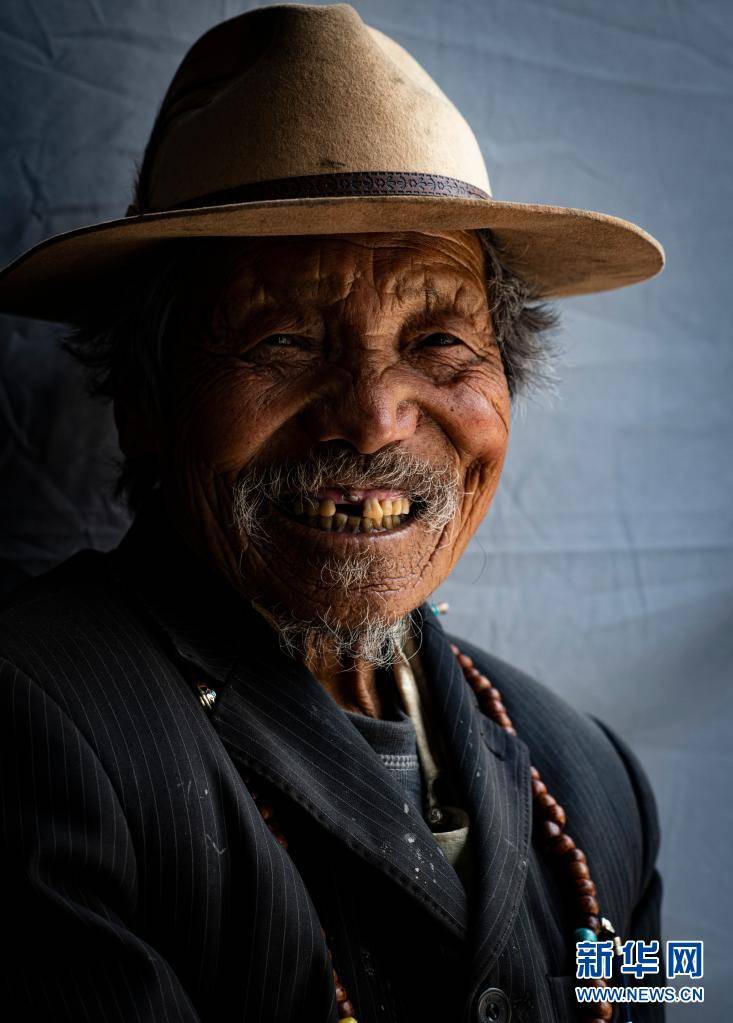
{"points": [[372, 640]]}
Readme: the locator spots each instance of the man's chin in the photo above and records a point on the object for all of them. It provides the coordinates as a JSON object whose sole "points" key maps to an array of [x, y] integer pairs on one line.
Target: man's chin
{"points": [[341, 591], [362, 632]]}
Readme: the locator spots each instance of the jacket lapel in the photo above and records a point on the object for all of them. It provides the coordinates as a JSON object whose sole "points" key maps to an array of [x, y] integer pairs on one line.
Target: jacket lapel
{"points": [[276, 721], [492, 770]]}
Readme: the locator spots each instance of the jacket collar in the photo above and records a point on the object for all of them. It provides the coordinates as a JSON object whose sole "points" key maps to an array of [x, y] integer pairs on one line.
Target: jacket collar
{"points": [[277, 721], [493, 777]]}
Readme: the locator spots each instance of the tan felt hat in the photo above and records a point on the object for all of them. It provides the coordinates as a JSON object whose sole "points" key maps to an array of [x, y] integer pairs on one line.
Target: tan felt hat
{"points": [[302, 120]]}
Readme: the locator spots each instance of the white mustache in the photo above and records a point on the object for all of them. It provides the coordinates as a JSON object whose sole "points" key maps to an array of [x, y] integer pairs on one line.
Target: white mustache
{"points": [[435, 491]]}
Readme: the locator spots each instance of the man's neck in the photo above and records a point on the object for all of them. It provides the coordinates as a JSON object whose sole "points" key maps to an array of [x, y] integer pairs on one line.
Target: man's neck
{"points": [[354, 682], [356, 685]]}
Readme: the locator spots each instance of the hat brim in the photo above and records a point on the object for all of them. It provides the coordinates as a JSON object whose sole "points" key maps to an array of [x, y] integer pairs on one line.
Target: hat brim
{"points": [[560, 250]]}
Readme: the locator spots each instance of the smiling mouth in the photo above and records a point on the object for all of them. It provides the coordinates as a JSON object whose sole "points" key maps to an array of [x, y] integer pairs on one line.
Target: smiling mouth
{"points": [[357, 511]]}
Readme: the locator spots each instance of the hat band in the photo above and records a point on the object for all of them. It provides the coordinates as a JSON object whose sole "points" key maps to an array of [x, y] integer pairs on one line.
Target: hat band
{"points": [[331, 186]]}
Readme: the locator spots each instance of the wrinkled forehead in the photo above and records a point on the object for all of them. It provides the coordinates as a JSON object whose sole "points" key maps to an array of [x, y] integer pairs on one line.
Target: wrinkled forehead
{"points": [[324, 271]]}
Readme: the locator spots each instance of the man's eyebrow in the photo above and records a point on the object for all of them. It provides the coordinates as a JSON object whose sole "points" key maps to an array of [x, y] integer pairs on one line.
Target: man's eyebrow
{"points": [[426, 294], [457, 301], [442, 316], [278, 315], [245, 300], [242, 321], [443, 292]]}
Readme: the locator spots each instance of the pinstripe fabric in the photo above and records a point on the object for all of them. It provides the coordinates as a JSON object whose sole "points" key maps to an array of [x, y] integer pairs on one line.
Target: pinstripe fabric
{"points": [[148, 888]]}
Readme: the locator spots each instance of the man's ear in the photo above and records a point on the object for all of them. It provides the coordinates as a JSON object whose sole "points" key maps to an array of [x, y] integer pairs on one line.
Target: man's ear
{"points": [[134, 432]]}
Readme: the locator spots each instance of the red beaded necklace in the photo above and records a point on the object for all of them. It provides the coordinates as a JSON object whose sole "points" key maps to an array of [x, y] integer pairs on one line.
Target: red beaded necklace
{"points": [[560, 845], [590, 926]]}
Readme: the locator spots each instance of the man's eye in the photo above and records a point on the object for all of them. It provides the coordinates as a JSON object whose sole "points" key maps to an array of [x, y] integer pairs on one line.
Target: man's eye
{"points": [[276, 348], [440, 340], [278, 341]]}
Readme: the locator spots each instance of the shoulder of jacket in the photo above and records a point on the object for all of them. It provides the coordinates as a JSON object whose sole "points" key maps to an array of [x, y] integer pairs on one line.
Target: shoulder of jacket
{"points": [[84, 587], [52, 625], [581, 758], [568, 746], [61, 587], [527, 699]]}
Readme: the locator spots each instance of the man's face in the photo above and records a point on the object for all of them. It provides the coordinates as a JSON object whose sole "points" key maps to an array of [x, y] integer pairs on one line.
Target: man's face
{"points": [[332, 381]]}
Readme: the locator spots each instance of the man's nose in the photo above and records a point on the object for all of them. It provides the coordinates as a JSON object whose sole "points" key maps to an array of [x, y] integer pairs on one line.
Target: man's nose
{"points": [[367, 406]]}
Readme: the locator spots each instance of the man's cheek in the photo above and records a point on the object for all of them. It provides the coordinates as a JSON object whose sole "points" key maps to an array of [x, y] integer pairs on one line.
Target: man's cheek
{"points": [[227, 423], [479, 421], [481, 433]]}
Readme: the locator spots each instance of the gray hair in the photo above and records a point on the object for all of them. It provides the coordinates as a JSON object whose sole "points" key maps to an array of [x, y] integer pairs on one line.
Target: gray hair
{"points": [[125, 349]]}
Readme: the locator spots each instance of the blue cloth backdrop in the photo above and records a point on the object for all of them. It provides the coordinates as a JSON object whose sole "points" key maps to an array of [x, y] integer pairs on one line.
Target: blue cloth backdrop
{"points": [[605, 565]]}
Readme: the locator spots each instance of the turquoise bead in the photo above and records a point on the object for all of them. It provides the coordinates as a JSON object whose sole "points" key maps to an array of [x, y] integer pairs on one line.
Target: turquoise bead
{"points": [[584, 934]]}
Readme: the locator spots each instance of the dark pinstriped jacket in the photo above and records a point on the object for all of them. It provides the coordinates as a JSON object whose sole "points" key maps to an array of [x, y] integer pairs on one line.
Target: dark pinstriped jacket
{"points": [[145, 885]]}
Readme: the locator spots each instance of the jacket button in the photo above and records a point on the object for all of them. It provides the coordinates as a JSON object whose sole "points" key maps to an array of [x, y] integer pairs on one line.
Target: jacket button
{"points": [[493, 1007]]}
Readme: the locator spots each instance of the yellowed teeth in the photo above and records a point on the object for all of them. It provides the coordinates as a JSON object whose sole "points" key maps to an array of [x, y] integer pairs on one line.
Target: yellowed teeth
{"points": [[373, 516]]}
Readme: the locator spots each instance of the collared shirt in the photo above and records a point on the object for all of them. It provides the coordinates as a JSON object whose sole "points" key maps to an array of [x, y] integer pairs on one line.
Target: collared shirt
{"points": [[409, 746]]}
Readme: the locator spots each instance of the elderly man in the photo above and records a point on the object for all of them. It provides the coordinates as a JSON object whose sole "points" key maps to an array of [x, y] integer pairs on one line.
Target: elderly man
{"points": [[248, 775]]}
